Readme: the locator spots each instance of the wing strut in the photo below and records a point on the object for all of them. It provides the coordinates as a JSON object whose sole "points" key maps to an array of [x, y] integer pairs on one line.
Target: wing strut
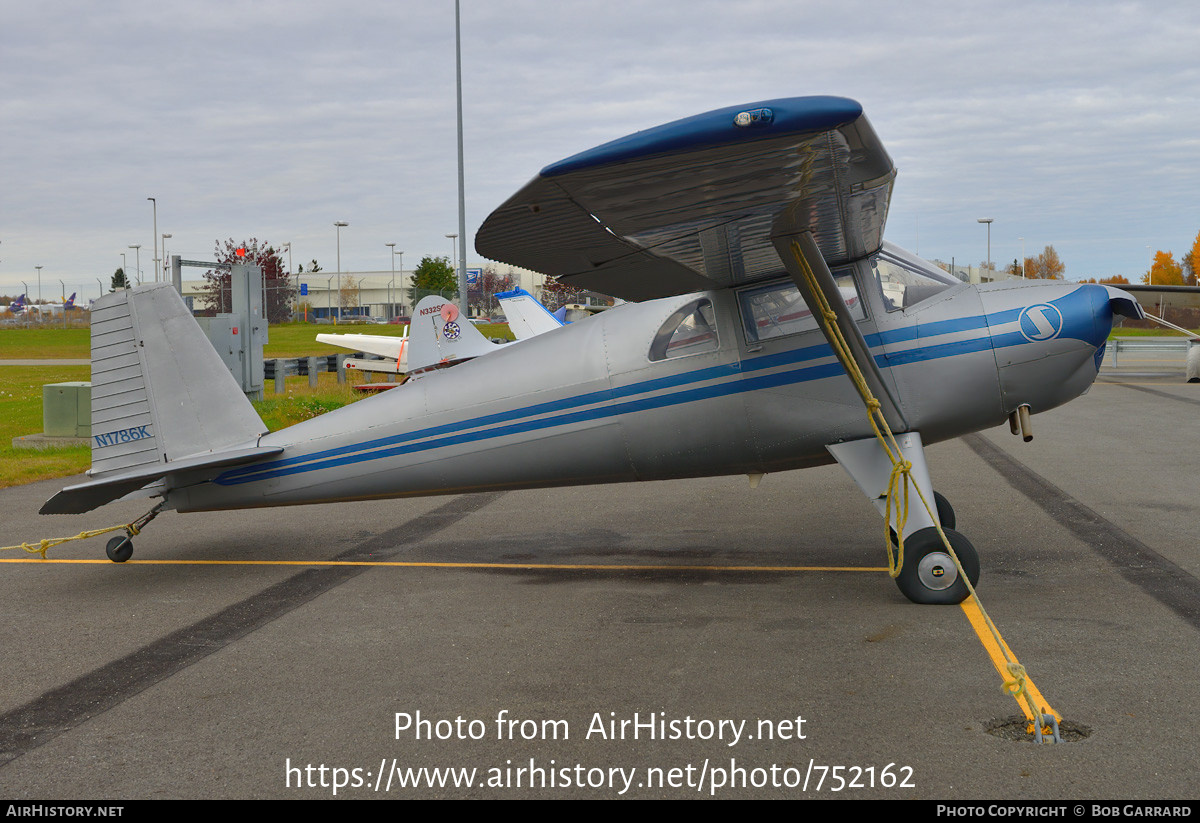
{"points": [[806, 265]]}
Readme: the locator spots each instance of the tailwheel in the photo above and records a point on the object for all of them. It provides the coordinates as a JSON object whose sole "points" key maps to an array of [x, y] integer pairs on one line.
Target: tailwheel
{"points": [[119, 549], [929, 575]]}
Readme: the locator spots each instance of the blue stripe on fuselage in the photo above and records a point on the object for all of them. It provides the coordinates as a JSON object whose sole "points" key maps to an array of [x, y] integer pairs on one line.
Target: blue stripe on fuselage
{"points": [[456, 433]]}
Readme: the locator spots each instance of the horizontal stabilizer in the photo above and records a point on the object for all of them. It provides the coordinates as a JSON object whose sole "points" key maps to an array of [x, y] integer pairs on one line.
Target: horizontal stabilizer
{"points": [[86, 496], [390, 346]]}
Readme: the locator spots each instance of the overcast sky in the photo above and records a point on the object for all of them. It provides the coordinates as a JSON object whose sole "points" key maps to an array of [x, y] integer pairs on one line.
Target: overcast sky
{"points": [[1072, 124]]}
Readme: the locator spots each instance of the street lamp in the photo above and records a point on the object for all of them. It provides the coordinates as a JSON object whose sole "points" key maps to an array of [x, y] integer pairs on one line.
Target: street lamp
{"points": [[988, 220], [339, 225], [137, 261], [39, 270], [295, 303], [453, 251], [1022, 239], [328, 309], [165, 238], [392, 282], [155, 236]]}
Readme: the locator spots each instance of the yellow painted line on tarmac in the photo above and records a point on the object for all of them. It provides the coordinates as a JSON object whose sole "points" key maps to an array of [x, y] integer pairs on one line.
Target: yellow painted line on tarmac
{"points": [[436, 565], [971, 608]]}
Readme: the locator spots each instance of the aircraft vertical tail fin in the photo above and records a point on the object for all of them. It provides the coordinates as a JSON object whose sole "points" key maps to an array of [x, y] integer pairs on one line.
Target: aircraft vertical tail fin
{"points": [[526, 316], [440, 336], [162, 400]]}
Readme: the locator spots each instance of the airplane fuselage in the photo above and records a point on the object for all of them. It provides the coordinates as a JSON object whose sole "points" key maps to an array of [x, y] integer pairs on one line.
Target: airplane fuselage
{"points": [[634, 394]]}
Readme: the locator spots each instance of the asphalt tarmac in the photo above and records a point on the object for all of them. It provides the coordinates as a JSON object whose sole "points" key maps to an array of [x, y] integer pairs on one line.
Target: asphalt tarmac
{"points": [[680, 639]]}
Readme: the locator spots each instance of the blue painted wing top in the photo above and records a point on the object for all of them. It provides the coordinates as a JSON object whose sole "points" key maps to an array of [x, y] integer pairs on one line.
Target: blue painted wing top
{"points": [[690, 205]]}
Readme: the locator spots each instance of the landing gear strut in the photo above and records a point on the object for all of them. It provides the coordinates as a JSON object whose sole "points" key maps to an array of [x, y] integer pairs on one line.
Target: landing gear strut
{"points": [[928, 573]]}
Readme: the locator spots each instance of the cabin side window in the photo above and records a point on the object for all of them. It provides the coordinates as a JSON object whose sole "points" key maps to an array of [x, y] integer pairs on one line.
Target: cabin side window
{"points": [[778, 310], [906, 281], [692, 329]]}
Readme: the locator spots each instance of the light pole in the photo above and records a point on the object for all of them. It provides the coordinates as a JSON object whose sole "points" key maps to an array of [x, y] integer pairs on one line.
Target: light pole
{"points": [[462, 198], [988, 220], [101, 287], [155, 236], [63, 286], [137, 262], [39, 270], [288, 246], [453, 252], [163, 270], [339, 225], [1022, 239], [328, 309], [392, 282]]}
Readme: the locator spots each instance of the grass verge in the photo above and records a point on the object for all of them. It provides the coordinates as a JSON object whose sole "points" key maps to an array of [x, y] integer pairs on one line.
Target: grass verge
{"points": [[21, 414]]}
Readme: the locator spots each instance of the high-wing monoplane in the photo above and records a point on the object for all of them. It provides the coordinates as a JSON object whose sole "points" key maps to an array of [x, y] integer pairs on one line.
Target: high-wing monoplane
{"points": [[770, 307]]}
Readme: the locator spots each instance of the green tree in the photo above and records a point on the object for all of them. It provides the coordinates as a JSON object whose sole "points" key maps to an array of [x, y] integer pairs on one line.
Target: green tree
{"points": [[433, 275], [119, 280]]}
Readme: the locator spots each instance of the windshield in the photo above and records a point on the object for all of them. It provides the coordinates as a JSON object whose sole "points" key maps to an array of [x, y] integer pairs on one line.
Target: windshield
{"points": [[905, 279]]}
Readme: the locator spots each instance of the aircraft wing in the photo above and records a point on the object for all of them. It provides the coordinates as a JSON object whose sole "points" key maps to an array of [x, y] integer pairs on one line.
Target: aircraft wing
{"points": [[690, 205], [1154, 298]]}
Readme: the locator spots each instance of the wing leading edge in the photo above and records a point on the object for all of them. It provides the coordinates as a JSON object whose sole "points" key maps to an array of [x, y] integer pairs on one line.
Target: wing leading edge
{"points": [[690, 205]]}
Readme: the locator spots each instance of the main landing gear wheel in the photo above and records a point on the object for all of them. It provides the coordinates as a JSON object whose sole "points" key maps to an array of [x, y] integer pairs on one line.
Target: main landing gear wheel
{"points": [[945, 512], [929, 575], [119, 549]]}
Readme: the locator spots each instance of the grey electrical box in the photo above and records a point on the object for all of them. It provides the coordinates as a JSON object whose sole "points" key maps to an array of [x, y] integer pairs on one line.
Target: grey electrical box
{"points": [[240, 335], [67, 409]]}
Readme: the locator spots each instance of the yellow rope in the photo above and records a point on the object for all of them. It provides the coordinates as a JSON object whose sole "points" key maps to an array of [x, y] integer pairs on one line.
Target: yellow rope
{"points": [[902, 476], [42, 545]]}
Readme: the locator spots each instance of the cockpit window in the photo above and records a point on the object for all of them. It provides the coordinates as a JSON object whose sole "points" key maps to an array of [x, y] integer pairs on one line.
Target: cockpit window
{"points": [[777, 309], [690, 330], [906, 280]]}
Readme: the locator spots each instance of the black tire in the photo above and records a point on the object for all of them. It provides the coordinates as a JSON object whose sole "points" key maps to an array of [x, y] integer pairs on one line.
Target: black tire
{"points": [[119, 549], [929, 576], [945, 511]]}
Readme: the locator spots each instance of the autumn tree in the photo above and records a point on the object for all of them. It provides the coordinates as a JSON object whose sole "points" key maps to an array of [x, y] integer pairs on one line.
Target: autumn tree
{"points": [[1164, 271], [348, 296], [480, 294], [217, 289], [556, 294], [1046, 266], [1191, 263], [433, 275]]}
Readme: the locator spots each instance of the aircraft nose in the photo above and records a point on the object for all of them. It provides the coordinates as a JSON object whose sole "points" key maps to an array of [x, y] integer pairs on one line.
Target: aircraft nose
{"points": [[1049, 338]]}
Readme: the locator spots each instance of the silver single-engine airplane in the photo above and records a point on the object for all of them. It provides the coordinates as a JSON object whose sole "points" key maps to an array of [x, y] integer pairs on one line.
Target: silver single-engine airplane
{"points": [[730, 228]]}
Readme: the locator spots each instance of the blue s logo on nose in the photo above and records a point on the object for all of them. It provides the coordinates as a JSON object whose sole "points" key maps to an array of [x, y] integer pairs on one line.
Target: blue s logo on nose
{"points": [[1041, 322]]}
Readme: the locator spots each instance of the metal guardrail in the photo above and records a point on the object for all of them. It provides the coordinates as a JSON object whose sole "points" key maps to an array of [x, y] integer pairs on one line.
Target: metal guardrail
{"points": [[1161, 352]]}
